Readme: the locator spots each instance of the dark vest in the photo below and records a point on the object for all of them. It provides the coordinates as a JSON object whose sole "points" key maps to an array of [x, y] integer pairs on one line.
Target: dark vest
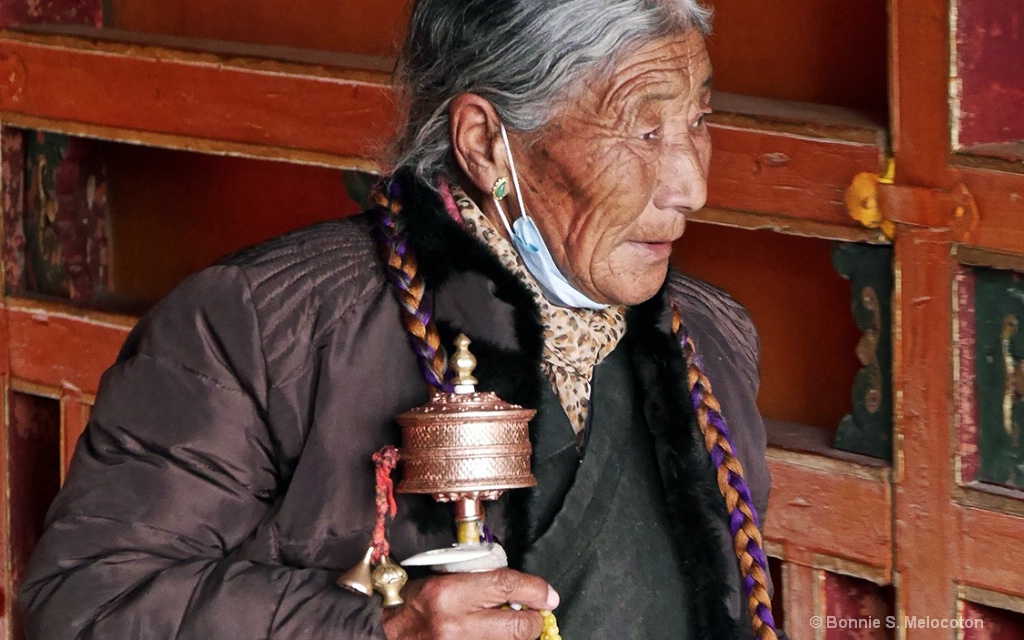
{"points": [[596, 523]]}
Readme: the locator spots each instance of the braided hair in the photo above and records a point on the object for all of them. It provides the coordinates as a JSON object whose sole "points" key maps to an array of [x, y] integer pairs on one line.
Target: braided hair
{"points": [[743, 520]]}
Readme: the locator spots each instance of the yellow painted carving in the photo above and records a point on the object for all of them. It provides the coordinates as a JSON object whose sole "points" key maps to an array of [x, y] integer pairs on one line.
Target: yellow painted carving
{"points": [[862, 199]]}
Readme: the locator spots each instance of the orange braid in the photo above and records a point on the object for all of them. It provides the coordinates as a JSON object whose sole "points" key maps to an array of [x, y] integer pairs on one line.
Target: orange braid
{"points": [[403, 272], [747, 541]]}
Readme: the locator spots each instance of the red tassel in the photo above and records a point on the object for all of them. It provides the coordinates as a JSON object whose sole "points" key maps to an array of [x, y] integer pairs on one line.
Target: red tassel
{"points": [[385, 460]]}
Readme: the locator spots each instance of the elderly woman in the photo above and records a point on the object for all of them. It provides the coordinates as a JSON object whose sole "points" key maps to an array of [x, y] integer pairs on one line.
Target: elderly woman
{"points": [[552, 152]]}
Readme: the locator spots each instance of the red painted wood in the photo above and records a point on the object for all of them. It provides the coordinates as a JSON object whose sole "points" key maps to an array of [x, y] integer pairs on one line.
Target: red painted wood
{"points": [[786, 174], [375, 28], [919, 77], [807, 366], [801, 496], [988, 623], [1000, 200], [58, 349], [991, 553], [168, 199], [74, 416], [6, 602], [346, 113], [861, 610], [826, 52], [925, 532], [965, 402], [156, 90], [990, 47], [800, 600], [33, 454]]}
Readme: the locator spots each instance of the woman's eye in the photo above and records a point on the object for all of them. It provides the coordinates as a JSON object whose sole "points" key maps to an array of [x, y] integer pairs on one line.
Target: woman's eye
{"points": [[653, 134], [701, 121]]}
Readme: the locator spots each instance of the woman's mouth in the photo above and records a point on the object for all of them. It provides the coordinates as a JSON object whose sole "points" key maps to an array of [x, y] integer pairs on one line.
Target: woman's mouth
{"points": [[655, 250]]}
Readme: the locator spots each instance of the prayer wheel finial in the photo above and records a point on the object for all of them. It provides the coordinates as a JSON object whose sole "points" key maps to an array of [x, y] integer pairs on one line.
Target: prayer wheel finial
{"points": [[463, 363]]}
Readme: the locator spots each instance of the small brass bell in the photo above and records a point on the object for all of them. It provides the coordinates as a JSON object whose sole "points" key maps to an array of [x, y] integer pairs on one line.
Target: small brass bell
{"points": [[388, 580], [359, 578]]}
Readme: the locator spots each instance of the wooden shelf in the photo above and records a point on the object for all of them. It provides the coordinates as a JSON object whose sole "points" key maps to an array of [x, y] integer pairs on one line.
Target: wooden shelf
{"points": [[790, 161], [56, 345], [811, 482], [991, 551], [197, 95]]}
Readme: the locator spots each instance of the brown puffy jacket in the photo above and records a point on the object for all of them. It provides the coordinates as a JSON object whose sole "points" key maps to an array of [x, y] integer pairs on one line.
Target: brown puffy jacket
{"points": [[225, 479]]}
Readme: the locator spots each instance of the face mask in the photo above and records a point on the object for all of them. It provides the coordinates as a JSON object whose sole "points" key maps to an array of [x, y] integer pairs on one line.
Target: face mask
{"points": [[530, 245]]}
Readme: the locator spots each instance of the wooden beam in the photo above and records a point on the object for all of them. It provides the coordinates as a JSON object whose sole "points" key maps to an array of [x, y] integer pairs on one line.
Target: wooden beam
{"points": [[919, 41], [54, 345], [783, 160], [1000, 200], [787, 174], [925, 528], [151, 92]]}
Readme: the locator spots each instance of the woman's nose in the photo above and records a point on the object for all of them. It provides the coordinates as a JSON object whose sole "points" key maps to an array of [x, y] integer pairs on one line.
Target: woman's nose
{"points": [[683, 177]]}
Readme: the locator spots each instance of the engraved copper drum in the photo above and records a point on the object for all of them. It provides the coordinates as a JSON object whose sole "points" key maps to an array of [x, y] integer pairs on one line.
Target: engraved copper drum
{"points": [[466, 445]]}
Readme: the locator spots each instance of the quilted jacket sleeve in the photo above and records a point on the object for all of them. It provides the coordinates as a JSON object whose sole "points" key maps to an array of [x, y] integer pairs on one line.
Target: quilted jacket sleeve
{"points": [[176, 469]]}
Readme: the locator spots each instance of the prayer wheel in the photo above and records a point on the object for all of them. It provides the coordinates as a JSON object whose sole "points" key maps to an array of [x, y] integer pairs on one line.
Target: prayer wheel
{"points": [[466, 447]]}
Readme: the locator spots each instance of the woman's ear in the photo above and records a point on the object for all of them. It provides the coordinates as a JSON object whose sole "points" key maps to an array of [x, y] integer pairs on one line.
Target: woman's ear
{"points": [[476, 140]]}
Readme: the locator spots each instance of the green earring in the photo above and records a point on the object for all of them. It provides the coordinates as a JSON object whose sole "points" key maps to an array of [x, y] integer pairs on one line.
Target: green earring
{"points": [[500, 188]]}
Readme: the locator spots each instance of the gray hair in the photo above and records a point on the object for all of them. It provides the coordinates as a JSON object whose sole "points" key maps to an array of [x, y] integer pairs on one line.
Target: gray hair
{"points": [[521, 55]]}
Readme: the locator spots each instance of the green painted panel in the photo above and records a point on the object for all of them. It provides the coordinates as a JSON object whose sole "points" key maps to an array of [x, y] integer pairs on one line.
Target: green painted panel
{"points": [[868, 428], [999, 371], [67, 225]]}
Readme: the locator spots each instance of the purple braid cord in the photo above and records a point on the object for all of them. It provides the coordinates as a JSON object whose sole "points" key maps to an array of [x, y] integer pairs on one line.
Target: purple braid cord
{"points": [[737, 482], [390, 236]]}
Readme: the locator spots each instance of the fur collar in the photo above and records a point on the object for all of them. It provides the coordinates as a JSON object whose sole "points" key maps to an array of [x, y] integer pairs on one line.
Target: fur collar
{"points": [[444, 250]]}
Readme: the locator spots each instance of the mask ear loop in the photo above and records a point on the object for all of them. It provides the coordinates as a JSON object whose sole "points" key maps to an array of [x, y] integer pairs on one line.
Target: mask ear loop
{"points": [[512, 167], [504, 220]]}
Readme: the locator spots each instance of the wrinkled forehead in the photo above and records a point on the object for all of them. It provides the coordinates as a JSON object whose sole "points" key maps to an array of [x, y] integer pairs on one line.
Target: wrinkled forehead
{"points": [[674, 68]]}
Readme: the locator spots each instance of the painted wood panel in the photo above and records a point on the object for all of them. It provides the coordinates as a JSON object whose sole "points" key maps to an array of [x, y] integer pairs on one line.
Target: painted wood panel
{"points": [[163, 202], [989, 623], [990, 554], [989, 49], [66, 223], [12, 199], [867, 429], [924, 533], [999, 376], [33, 478], [830, 52], [375, 28], [857, 610]]}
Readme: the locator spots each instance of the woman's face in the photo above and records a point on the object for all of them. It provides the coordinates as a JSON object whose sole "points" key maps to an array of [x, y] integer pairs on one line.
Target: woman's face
{"points": [[610, 180]]}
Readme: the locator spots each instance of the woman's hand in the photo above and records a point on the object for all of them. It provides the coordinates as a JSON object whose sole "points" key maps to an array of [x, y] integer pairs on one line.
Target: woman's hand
{"points": [[468, 605]]}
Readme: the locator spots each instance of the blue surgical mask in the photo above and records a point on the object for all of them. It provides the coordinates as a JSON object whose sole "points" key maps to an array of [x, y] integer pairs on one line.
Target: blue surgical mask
{"points": [[530, 245]]}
